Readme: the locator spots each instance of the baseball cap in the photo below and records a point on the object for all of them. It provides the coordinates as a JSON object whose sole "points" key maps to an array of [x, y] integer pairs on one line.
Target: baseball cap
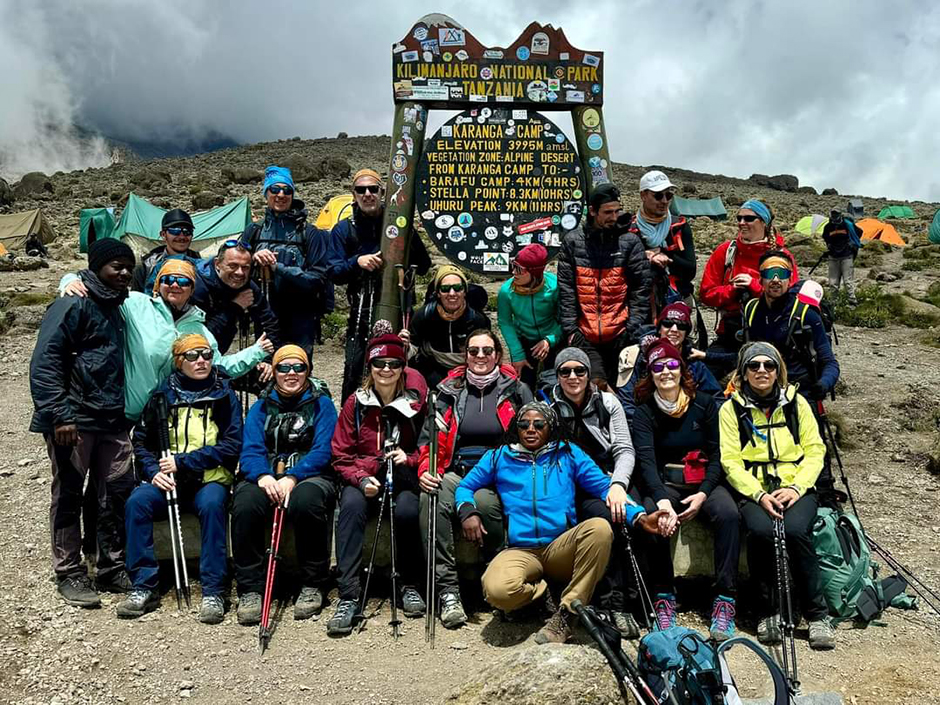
{"points": [[655, 181], [176, 217]]}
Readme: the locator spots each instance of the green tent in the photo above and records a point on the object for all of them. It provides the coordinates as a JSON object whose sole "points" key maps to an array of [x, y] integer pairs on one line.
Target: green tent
{"points": [[139, 225], [896, 212], [811, 224], [933, 233], [93, 224], [695, 207]]}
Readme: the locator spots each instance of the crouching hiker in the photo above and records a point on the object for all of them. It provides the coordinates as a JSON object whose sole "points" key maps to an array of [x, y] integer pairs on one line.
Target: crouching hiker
{"points": [[295, 418], [76, 378], [772, 454], [205, 431], [541, 546]]}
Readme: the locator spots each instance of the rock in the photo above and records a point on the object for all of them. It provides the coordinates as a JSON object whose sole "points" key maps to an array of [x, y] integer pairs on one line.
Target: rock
{"points": [[22, 463], [459, 646], [689, 190], [301, 168], [204, 200], [153, 177], [241, 175], [342, 136], [334, 168], [6, 193], [830, 192], [33, 183], [876, 479], [887, 277], [780, 182], [807, 189], [920, 307]]}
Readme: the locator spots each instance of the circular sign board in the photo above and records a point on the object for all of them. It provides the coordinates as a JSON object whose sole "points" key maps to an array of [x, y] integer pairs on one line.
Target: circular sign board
{"points": [[491, 182]]}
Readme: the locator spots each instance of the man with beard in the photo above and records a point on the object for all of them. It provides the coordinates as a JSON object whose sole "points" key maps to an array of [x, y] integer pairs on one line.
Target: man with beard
{"points": [[176, 230], [357, 263]]}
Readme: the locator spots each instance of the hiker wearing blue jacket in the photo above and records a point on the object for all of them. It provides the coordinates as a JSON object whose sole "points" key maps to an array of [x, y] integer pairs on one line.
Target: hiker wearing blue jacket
{"points": [[536, 478], [285, 460]]}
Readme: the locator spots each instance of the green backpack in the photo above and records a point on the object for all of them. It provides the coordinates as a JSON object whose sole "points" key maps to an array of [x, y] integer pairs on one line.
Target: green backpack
{"points": [[849, 576]]}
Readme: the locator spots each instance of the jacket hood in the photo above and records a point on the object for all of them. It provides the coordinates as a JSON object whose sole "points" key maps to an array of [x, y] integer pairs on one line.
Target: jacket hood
{"points": [[182, 391], [408, 403], [296, 214], [100, 291], [786, 395]]}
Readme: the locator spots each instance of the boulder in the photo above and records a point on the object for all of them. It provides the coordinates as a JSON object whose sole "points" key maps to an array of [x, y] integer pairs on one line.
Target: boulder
{"points": [[35, 182], [807, 189], [830, 192], [301, 168], [780, 182], [241, 175], [334, 168], [204, 200], [6, 194], [152, 177], [921, 308], [342, 136], [689, 190]]}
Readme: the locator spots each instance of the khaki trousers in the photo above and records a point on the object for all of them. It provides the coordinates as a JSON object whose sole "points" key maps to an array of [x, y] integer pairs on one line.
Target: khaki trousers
{"points": [[577, 558]]}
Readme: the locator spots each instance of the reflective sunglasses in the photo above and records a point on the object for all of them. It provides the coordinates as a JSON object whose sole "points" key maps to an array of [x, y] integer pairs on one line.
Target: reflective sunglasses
{"points": [[516, 269], [660, 195], [661, 365], [447, 288], [371, 188], [178, 279], [229, 244], [180, 231], [392, 364], [775, 273], [526, 424], [193, 355], [486, 351], [286, 367], [576, 371], [668, 325], [278, 190], [747, 218], [756, 365]]}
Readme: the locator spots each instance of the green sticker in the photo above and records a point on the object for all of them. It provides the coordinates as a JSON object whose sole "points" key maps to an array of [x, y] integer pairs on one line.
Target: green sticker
{"points": [[556, 219], [576, 193]]}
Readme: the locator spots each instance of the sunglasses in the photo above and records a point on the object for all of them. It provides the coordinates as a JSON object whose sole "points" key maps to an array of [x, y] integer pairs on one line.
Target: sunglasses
{"points": [[392, 364], [747, 218], [371, 188], [662, 365], [180, 231], [669, 325], [178, 279], [229, 244], [660, 195], [447, 288], [577, 371], [193, 355], [286, 367], [516, 269], [486, 351], [526, 424], [278, 190], [775, 273], [756, 365]]}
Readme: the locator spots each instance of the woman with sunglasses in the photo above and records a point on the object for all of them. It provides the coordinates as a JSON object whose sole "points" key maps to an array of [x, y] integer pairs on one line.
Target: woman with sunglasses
{"points": [[154, 322], [772, 455], [527, 308], [381, 421], [440, 328], [477, 402], [675, 431], [205, 426], [731, 278], [288, 428]]}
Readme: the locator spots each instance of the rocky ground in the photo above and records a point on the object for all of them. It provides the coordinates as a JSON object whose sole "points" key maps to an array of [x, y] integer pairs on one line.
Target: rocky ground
{"points": [[889, 410]]}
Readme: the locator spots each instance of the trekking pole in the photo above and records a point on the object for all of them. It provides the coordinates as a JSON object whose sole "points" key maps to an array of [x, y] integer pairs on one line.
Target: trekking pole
{"points": [[173, 510], [818, 262], [244, 324], [364, 598], [264, 627], [389, 471], [787, 622], [431, 586], [645, 600]]}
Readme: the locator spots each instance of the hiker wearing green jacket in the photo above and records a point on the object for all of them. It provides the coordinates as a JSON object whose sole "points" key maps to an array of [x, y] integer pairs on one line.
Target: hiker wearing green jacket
{"points": [[527, 308], [154, 322]]}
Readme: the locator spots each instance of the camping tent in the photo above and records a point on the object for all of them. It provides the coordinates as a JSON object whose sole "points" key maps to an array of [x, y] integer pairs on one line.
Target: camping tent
{"points": [[876, 230], [93, 224], [811, 224], [17, 228], [933, 233], [139, 225], [695, 207], [335, 210], [896, 212], [855, 209]]}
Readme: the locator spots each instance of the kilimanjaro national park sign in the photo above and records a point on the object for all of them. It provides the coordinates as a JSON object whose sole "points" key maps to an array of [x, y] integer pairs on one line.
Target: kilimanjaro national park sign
{"points": [[499, 175]]}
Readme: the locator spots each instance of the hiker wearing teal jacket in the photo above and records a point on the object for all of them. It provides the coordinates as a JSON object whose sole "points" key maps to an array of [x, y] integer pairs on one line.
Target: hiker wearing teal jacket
{"points": [[527, 308], [154, 322]]}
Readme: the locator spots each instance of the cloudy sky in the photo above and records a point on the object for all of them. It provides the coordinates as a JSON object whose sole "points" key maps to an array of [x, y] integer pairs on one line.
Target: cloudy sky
{"points": [[841, 93]]}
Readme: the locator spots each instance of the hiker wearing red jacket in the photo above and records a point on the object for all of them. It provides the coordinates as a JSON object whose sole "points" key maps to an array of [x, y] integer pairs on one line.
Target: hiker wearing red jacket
{"points": [[731, 277]]}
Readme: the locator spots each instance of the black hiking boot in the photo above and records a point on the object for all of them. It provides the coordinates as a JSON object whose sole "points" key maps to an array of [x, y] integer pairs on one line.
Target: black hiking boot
{"points": [[309, 602], [341, 623], [139, 602], [411, 603], [78, 591], [249, 608], [117, 582]]}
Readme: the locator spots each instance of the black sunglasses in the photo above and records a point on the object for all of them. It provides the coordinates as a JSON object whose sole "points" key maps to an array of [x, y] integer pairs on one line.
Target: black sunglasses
{"points": [[747, 218], [278, 190], [180, 231], [487, 350], [685, 327], [193, 355], [578, 371], [525, 424], [447, 288], [660, 195], [768, 365], [371, 188], [178, 279], [286, 367], [392, 364]]}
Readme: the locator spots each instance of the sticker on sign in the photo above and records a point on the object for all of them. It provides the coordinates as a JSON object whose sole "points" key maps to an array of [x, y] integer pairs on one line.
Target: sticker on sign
{"points": [[531, 227], [430, 92], [495, 262]]}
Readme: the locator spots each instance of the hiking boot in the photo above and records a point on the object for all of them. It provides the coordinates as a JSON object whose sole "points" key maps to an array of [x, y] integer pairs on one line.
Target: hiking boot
{"points": [[117, 582], [722, 619], [138, 602], [625, 624], [821, 635], [452, 614], [341, 623], [212, 610], [665, 607], [309, 602], [411, 603], [768, 630], [249, 608], [557, 629], [77, 591]]}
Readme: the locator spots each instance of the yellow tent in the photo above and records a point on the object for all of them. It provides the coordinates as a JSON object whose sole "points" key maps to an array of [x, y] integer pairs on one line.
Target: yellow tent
{"points": [[876, 230], [335, 210], [17, 228]]}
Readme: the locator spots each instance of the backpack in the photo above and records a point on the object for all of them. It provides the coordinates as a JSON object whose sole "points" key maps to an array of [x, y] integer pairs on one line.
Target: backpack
{"points": [[848, 575]]}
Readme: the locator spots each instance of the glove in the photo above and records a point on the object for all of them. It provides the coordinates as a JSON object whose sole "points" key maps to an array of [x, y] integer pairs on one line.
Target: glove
{"points": [[817, 391]]}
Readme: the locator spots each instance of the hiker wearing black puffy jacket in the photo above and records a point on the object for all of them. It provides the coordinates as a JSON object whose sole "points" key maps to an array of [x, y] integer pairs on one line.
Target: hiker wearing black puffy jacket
{"points": [[841, 237]]}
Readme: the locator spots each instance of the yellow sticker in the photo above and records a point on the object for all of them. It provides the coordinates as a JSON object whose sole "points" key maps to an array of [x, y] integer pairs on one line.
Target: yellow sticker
{"points": [[590, 118], [401, 221]]}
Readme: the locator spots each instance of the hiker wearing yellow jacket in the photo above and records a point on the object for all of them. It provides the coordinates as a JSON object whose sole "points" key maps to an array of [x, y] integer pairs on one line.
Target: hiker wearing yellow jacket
{"points": [[772, 453]]}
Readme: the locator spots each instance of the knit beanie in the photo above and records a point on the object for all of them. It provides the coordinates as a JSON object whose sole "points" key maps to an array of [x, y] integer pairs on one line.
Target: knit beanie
{"points": [[446, 270], [756, 349], [678, 312], [105, 250], [277, 175], [533, 259], [572, 355], [662, 349], [389, 345], [605, 193], [185, 343]]}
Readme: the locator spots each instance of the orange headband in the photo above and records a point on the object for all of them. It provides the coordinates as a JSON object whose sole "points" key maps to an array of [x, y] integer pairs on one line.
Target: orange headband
{"points": [[776, 262], [288, 351], [175, 266], [185, 343], [366, 172]]}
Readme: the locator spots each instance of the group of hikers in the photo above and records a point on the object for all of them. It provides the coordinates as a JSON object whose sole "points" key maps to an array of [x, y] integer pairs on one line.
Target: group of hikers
{"points": [[594, 423]]}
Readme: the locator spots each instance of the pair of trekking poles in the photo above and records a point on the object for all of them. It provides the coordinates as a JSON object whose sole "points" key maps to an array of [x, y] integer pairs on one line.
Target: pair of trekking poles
{"points": [[180, 574], [265, 629], [244, 337]]}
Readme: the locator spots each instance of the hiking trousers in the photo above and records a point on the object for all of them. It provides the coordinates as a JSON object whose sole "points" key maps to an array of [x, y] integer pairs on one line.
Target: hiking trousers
{"points": [[577, 558], [842, 271], [449, 526], [609, 592], [358, 330], [529, 374], [107, 457], [309, 511], [148, 504], [804, 566]]}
